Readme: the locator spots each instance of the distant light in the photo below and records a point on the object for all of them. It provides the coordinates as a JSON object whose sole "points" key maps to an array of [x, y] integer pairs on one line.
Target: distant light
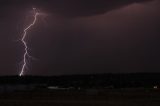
{"points": [[53, 87], [155, 87], [59, 88]]}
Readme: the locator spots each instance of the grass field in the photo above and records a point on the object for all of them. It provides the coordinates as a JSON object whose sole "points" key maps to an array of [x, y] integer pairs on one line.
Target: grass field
{"points": [[110, 97]]}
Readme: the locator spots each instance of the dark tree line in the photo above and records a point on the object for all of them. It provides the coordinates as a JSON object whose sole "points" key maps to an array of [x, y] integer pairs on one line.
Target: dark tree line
{"points": [[88, 81]]}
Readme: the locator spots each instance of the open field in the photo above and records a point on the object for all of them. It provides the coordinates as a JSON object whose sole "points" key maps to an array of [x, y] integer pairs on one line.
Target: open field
{"points": [[110, 97]]}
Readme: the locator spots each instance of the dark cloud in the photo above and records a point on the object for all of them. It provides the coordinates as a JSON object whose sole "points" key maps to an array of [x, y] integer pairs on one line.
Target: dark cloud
{"points": [[73, 8]]}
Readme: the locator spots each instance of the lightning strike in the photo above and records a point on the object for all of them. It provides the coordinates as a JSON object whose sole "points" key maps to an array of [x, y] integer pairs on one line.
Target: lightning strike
{"points": [[26, 54]]}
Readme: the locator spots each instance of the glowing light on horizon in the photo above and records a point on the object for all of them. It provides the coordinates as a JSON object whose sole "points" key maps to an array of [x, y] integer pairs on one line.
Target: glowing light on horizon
{"points": [[26, 54]]}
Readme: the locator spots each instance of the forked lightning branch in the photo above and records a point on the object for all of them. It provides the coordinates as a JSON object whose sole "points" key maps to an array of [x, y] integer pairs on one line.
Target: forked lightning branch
{"points": [[26, 54]]}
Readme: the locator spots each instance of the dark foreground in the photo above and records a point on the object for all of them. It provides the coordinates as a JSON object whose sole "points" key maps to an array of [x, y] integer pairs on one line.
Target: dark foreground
{"points": [[92, 97]]}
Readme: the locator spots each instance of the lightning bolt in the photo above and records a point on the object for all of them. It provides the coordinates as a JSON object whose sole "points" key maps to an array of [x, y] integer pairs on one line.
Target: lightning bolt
{"points": [[26, 54]]}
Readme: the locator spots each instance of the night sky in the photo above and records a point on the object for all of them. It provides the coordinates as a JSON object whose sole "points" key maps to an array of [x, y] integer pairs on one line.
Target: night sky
{"points": [[81, 36]]}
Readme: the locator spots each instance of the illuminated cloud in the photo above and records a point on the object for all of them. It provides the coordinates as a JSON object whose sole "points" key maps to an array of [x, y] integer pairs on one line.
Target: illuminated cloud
{"points": [[73, 8]]}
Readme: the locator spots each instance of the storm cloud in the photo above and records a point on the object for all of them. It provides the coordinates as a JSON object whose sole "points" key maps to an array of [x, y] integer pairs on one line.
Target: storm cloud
{"points": [[72, 8]]}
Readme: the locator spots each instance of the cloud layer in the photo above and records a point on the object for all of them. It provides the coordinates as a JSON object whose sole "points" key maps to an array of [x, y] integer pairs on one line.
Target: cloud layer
{"points": [[73, 8]]}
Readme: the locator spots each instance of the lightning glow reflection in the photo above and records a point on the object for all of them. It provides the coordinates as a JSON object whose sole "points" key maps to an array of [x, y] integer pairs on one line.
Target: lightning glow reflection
{"points": [[26, 54]]}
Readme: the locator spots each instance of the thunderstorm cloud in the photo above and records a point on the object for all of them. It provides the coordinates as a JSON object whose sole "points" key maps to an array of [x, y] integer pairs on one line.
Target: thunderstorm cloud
{"points": [[72, 8]]}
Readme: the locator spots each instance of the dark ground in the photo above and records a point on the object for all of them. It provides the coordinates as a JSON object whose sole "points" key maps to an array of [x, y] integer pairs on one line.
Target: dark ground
{"points": [[94, 97]]}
